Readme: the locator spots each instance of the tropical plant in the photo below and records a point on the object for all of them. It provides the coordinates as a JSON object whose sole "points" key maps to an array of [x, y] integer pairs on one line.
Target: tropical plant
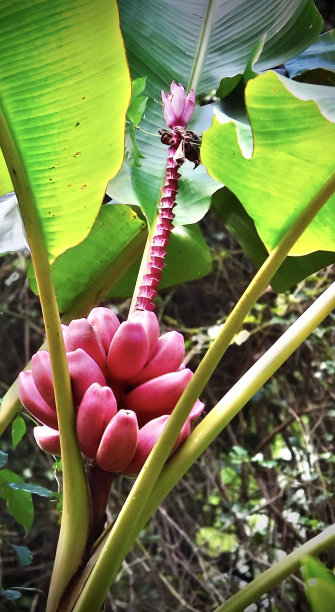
{"points": [[116, 398]]}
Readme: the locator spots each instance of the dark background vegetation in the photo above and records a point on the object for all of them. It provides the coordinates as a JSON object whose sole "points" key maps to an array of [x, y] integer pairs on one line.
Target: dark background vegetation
{"points": [[264, 487]]}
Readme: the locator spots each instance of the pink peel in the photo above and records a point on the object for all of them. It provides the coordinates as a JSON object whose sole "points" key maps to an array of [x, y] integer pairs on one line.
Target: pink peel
{"points": [[145, 381]]}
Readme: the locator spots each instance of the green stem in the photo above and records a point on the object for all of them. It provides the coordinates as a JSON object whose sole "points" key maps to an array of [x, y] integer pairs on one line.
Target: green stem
{"points": [[76, 508], [278, 572], [10, 406], [200, 55], [125, 529], [100, 483], [237, 397]]}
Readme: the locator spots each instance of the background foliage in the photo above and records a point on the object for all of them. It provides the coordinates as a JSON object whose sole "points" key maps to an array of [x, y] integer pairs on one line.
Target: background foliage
{"points": [[265, 486]]}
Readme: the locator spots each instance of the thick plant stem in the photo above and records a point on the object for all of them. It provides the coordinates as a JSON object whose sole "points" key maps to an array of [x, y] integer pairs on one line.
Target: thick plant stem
{"points": [[200, 55], [76, 518], [278, 572], [126, 527], [100, 483], [237, 397], [10, 406]]}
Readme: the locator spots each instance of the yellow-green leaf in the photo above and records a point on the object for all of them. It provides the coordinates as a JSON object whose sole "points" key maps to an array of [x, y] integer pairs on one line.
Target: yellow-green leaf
{"points": [[5, 182], [64, 92], [293, 157]]}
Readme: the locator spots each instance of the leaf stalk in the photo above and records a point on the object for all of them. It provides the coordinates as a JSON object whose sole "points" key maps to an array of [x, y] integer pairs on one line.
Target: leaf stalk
{"points": [[129, 522]]}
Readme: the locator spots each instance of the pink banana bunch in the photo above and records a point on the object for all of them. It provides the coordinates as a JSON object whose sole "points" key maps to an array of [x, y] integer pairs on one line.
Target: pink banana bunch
{"points": [[126, 380]]}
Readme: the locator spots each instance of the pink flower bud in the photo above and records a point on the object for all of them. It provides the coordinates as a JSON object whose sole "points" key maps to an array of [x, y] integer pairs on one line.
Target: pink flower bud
{"points": [[42, 375], [151, 326], [168, 112], [80, 334], [188, 107], [128, 351], [157, 396], [47, 439], [177, 107], [96, 409], [177, 98], [167, 357], [105, 323], [84, 371], [118, 443], [34, 402]]}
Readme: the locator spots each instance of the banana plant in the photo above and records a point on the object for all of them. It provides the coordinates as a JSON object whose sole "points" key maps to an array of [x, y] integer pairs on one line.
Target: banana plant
{"points": [[78, 120]]}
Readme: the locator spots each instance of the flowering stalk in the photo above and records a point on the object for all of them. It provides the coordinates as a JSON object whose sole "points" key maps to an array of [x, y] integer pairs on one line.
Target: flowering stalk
{"points": [[125, 378], [160, 241], [178, 109], [100, 483]]}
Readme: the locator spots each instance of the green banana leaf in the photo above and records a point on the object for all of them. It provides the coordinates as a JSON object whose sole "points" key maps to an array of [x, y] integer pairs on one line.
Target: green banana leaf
{"points": [[64, 92], [320, 585], [188, 258], [226, 205], [88, 270], [320, 54], [106, 263], [170, 40], [231, 105], [6, 184], [293, 156], [237, 221]]}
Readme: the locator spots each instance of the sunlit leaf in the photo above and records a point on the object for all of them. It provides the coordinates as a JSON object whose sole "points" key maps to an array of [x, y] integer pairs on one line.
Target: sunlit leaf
{"points": [[294, 149], [237, 221], [77, 270], [5, 180], [324, 96], [216, 542], [64, 92], [319, 584]]}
